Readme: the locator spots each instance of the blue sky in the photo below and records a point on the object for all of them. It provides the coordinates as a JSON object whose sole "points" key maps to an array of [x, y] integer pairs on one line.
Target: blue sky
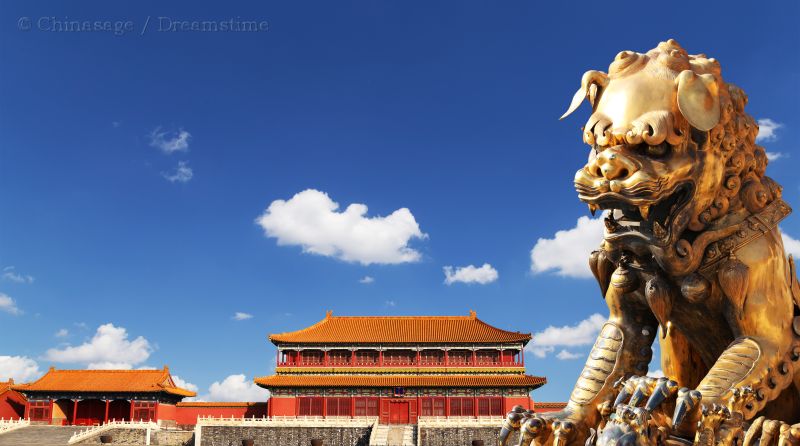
{"points": [[442, 115]]}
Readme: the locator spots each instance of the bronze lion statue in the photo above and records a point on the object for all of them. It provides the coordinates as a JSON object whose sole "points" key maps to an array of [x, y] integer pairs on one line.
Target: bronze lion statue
{"points": [[691, 249]]}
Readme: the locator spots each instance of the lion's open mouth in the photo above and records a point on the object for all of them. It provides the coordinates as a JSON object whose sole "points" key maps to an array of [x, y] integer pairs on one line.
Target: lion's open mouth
{"points": [[649, 218]]}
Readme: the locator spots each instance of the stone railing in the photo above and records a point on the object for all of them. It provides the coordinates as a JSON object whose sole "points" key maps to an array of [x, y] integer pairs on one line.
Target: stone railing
{"points": [[287, 421], [85, 434], [429, 421], [378, 434], [12, 424]]}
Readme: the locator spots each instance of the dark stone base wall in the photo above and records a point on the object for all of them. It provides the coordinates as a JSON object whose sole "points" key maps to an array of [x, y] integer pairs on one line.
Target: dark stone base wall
{"points": [[458, 436], [284, 436]]}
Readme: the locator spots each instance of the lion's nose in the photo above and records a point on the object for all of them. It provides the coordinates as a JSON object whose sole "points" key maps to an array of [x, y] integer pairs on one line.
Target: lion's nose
{"points": [[612, 165]]}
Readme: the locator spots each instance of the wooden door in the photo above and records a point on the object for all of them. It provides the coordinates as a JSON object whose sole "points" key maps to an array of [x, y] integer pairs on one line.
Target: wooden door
{"points": [[398, 412]]}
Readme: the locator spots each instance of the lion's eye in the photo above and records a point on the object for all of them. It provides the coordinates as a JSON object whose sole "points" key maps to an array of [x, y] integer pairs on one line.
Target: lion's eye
{"points": [[657, 151]]}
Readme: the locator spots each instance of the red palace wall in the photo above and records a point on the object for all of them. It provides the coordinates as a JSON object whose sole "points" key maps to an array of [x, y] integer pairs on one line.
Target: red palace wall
{"points": [[187, 413], [166, 412], [396, 410], [12, 405]]}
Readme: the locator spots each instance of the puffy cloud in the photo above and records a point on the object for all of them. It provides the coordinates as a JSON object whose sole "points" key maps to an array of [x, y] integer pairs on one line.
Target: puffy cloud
{"points": [[170, 141], [791, 245], [182, 174], [583, 333], [774, 156], [767, 129], [566, 355], [567, 253], [8, 305], [366, 280], [235, 388], [19, 368], [470, 274], [109, 348], [656, 373], [239, 316], [311, 220], [10, 274], [180, 382]]}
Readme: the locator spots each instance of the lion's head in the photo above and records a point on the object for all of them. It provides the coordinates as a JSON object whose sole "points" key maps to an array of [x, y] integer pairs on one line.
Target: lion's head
{"points": [[673, 154]]}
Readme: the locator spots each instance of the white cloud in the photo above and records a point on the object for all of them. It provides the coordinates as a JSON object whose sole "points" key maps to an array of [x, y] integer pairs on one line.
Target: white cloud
{"points": [[791, 246], [170, 141], [10, 274], [366, 279], [182, 173], [567, 253], [470, 274], [235, 388], [239, 316], [656, 373], [774, 156], [310, 219], [183, 384], [583, 333], [767, 130], [8, 305], [566, 355], [108, 348], [62, 333], [19, 368]]}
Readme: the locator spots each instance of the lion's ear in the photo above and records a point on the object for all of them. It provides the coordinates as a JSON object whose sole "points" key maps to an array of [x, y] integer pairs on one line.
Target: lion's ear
{"points": [[591, 83], [698, 99]]}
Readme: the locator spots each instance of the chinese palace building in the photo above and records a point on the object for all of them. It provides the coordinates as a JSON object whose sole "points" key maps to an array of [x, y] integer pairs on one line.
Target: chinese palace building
{"points": [[89, 397], [399, 368]]}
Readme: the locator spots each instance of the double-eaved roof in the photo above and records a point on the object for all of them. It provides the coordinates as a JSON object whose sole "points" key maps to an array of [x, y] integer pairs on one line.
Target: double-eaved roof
{"points": [[90, 381], [400, 330]]}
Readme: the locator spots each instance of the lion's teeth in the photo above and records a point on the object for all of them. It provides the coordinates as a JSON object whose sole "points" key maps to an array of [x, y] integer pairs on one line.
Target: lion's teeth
{"points": [[659, 230], [593, 208], [645, 211]]}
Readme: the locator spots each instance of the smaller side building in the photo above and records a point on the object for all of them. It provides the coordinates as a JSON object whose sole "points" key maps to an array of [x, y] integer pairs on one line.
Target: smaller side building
{"points": [[12, 403], [89, 397]]}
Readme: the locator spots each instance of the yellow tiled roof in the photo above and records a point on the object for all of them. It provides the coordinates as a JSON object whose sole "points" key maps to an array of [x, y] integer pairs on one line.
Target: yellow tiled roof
{"points": [[106, 381], [400, 330]]}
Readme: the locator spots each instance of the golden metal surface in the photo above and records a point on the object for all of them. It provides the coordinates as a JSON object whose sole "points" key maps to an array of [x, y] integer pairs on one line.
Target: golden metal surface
{"points": [[691, 246]]}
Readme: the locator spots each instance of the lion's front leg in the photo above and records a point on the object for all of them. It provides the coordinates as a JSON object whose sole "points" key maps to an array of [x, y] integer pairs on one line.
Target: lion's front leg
{"points": [[622, 348]]}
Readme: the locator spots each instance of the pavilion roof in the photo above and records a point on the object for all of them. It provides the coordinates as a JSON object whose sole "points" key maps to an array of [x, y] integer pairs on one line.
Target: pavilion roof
{"points": [[139, 381], [5, 386], [401, 381], [400, 330]]}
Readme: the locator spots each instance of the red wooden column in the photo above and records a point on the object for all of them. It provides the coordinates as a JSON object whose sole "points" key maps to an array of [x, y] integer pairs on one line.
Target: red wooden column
{"points": [[418, 358], [27, 413], [446, 357], [52, 403], [353, 357], [130, 417], [324, 406], [522, 356], [74, 411], [380, 358], [105, 418], [325, 358]]}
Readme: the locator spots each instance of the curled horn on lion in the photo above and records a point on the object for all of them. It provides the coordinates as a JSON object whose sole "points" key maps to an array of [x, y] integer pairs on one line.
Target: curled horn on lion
{"points": [[691, 255]]}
